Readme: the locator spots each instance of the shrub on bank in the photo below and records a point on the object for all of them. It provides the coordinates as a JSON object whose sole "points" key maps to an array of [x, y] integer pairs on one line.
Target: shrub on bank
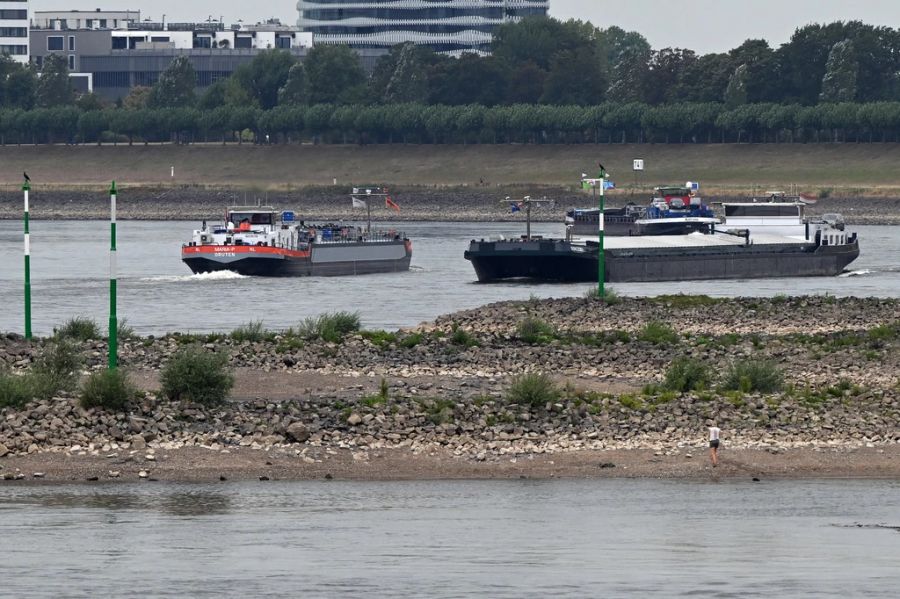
{"points": [[658, 333], [107, 389], [253, 331], [534, 389], [196, 375], [79, 328], [56, 369], [749, 376], [685, 375], [16, 390], [610, 296], [329, 327], [462, 337], [535, 331]]}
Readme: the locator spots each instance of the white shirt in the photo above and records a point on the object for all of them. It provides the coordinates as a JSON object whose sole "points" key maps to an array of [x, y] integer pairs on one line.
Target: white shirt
{"points": [[713, 433]]}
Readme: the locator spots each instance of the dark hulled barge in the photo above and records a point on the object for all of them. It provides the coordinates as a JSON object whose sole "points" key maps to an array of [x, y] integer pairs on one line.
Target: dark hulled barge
{"points": [[756, 240]]}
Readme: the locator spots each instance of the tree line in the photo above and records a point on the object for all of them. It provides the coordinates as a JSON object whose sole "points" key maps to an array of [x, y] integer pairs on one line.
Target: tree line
{"points": [[468, 124], [546, 81]]}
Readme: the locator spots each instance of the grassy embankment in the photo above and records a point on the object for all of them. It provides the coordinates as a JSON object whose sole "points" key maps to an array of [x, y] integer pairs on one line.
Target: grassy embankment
{"points": [[851, 170]]}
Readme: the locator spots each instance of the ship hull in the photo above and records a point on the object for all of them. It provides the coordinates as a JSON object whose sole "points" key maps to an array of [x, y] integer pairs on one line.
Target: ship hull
{"points": [[561, 261], [342, 259]]}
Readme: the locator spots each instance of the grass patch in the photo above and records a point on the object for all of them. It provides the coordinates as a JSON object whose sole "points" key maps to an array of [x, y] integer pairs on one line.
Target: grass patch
{"points": [[535, 389], [610, 296], [329, 327], [16, 390], [379, 338], [107, 389], [600, 339], [79, 328], [462, 337], [684, 375], [379, 398], [411, 340], [632, 402], [195, 375], [56, 369], [288, 344], [124, 331], [535, 331], [681, 300], [658, 333], [253, 331], [437, 410], [749, 376]]}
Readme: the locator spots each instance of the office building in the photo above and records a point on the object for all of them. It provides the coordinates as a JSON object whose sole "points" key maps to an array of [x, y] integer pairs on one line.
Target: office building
{"points": [[449, 26], [14, 29]]}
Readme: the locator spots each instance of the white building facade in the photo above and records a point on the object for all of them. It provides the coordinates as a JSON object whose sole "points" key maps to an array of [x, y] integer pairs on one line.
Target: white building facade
{"points": [[450, 26], [14, 29]]}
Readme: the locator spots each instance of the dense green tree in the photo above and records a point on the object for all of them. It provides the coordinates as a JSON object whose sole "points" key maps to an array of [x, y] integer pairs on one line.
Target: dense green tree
{"points": [[470, 79], [409, 81], [664, 73], [628, 57], [138, 98], [736, 92], [17, 84], [526, 84], [294, 90], [175, 87], [841, 70], [330, 71], [576, 77], [259, 81], [706, 79], [213, 96], [53, 86]]}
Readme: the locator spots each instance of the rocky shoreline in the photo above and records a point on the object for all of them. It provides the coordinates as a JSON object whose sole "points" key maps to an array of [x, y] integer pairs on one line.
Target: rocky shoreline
{"points": [[422, 203], [435, 401]]}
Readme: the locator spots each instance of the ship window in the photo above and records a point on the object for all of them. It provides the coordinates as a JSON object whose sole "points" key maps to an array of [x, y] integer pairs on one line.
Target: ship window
{"points": [[762, 210], [255, 218]]}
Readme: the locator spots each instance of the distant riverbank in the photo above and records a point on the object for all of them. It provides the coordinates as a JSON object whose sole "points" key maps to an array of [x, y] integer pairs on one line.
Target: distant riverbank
{"points": [[421, 203], [438, 401]]}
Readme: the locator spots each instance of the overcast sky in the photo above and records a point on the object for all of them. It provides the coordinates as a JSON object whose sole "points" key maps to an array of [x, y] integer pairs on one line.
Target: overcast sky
{"points": [[701, 25]]}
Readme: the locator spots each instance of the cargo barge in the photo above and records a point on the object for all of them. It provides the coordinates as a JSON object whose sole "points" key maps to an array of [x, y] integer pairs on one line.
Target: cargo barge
{"points": [[756, 240], [261, 241]]}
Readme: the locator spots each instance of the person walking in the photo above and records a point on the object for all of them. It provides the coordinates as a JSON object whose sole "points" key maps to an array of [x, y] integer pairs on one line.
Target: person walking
{"points": [[714, 443]]}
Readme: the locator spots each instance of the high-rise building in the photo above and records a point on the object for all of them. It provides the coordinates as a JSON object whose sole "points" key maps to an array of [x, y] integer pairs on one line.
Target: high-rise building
{"points": [[14, 29], [451, 26]]}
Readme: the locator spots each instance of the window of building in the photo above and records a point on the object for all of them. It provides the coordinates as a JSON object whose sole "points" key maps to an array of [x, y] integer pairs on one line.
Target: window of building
{"points": [[243, 41], [102, 23], [14, 15], [203, 42], [13, 50], [119, 43], [71, 62], [71, 43], [282, 41], [54, 42], [90, 23], [39, 61], [159, 38]]}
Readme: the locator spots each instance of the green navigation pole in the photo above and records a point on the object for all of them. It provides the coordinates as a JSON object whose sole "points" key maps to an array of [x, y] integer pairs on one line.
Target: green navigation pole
{"points": [[113, 321], [601, 253], [25, 189]]}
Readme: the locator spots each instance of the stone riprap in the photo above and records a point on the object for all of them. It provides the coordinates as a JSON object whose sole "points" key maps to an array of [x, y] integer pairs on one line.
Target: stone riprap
{"points": [[447, 384]]}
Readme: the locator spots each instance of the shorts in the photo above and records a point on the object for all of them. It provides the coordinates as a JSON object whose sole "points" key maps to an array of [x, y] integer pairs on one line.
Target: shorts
{"points": [[714, 444]]}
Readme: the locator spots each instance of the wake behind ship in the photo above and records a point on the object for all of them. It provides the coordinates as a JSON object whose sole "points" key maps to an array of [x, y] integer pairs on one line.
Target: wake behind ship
{"points": [[260, 241]]}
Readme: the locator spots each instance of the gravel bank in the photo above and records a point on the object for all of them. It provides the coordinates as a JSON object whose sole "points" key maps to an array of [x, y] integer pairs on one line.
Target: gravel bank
{"points": [[446, 411]]}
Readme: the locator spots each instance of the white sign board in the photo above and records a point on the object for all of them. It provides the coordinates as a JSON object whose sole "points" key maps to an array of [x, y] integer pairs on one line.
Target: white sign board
{"points": [[639, 164]]}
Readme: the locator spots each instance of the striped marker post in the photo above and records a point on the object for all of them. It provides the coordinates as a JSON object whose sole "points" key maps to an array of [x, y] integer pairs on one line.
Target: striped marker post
{"points": [[26, 187], [601, 254], [113, 321]]}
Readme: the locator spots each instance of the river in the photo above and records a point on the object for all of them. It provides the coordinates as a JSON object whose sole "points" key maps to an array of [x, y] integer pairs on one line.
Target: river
{"points": [[557, 538], [157, 294]]}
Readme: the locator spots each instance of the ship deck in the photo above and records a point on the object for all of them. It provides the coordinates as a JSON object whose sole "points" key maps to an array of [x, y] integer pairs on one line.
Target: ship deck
{"points": [[693, 240]]}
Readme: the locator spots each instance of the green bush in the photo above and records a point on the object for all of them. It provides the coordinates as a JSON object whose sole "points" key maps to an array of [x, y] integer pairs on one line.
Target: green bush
{"points": [[610, 297], [379, 338], [761, 376], [658, 333], [462, 337], [16, 390], [193, 374], [535, 389], [56, 369], [411, 340], [123, 331], [329, 327], [253, 331], [107, 389], [79, 328], [535, 331], [687, 375]]}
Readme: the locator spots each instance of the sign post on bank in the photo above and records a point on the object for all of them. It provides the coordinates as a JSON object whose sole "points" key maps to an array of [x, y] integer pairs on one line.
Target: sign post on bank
{"points": [[26, 187], [601, 184], [113, 320]]}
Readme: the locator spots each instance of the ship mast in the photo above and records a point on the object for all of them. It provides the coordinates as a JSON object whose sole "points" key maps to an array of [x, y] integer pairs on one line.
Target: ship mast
{"points": [[526, 203]]}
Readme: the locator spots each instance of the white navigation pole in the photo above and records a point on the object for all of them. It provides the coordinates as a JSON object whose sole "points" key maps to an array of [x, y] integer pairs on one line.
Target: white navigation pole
{"points": [[113, 320], [26, 187]]}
